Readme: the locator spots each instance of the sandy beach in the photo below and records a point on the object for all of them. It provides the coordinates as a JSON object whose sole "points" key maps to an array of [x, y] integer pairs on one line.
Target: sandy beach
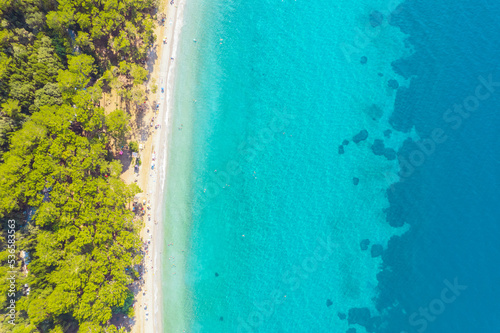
{"points": [[152, 174]]}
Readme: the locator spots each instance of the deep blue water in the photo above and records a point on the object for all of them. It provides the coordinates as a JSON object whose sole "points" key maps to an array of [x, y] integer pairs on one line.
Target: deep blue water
{"points": [[452, 200]]}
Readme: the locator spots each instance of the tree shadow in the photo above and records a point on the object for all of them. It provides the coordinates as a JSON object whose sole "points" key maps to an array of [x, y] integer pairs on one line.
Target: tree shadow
{"points": [[120, 320], [141, 123], [125, 159], [151, 59]]}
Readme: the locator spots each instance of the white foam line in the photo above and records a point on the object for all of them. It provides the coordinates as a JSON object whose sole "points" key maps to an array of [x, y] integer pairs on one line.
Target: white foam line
{"points": [[166, 77]]}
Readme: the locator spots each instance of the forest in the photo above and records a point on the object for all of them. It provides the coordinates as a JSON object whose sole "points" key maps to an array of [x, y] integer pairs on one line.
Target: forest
{"points": [[67, 234]]}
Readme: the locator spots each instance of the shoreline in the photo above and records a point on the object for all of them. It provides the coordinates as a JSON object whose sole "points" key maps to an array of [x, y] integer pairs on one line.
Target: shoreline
{"points": [[172, 283], [148, 306], [167, 80]]}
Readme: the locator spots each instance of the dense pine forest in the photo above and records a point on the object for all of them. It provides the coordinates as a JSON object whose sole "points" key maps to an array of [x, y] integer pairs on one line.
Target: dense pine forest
{"points": [[63, 209]]}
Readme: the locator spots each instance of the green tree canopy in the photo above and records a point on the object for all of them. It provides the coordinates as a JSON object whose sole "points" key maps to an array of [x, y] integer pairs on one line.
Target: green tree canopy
{"points": [[117, 124], [57, 176]]}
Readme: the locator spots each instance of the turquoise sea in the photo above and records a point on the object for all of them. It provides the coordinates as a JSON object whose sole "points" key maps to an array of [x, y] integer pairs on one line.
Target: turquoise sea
{"points": [[291, 119]]}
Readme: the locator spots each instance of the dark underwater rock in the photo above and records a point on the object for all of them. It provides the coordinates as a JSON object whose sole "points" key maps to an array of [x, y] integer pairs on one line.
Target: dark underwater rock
{"points": [[364, 244], [361, 136], [360, 316], [378, 147], [376, 18], [329, 303], [393, 84], [341, 150], [390, 154], [355, 180], [375, 112], [363, 60]]}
